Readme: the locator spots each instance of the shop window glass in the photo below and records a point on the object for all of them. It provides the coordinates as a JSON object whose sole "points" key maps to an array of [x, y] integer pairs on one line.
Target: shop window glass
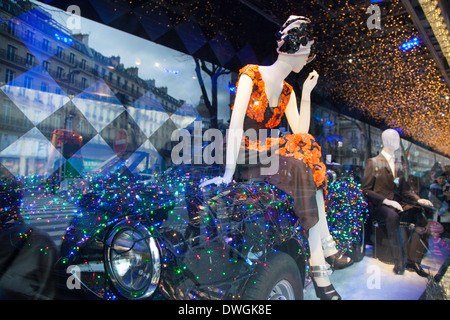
{"points": [[136, 95], [74, 118]]}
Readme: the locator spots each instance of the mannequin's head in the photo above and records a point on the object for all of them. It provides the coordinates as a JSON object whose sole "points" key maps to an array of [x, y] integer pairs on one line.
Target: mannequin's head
{"points": [[295, 42], [391, 140]]}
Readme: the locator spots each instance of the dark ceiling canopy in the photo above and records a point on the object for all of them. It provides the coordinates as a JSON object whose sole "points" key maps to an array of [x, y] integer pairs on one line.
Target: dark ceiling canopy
{"points": [[239, 26]]}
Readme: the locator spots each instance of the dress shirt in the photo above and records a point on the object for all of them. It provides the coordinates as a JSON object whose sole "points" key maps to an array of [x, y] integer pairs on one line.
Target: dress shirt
{"points": [[391, 160]]}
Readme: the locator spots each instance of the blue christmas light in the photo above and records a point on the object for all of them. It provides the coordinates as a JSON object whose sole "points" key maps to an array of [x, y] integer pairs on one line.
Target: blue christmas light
{"points": [[410, 44], [232, 89]]}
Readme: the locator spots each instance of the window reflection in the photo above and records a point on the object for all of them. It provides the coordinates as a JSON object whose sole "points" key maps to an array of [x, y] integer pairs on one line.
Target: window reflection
{"points": [[68, 103], [67, 107], [75, 105]]}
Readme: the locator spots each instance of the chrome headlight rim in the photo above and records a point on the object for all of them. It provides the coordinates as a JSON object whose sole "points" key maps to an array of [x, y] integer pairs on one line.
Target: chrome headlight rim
{"points": [[144, 236]]}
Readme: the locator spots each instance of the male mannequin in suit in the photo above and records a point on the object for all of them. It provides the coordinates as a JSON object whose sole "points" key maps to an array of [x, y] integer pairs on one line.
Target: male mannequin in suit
{"points": [[385, 187]]}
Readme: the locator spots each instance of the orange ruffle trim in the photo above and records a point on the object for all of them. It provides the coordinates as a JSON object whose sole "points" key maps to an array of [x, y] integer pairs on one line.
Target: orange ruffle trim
{"points": [[258, 100], [301, 146]]}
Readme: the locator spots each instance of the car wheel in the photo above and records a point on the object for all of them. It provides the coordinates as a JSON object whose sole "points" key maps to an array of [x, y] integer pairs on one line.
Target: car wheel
{"points": [[277, 279]]}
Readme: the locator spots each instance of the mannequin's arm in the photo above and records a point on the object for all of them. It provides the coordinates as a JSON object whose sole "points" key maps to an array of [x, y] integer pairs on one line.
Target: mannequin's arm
{"points": [[300, 122], [367, 184], [409, 196], [235, 131]]}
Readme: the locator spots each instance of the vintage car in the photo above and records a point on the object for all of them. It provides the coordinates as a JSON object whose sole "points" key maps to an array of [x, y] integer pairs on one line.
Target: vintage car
{"points": [[137, 235], [160, 236]]}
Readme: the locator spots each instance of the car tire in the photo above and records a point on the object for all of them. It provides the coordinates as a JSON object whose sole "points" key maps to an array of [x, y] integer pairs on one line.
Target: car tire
{"points": [[277, 279]]}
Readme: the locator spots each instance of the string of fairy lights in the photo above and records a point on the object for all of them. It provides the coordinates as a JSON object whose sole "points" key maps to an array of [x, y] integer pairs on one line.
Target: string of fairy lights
{"points": [[369, 70], [434, 16], [347, 212]]}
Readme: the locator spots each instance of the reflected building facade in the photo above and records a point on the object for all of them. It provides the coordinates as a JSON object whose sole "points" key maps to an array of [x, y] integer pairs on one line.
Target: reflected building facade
{"points": [[53, 80]]}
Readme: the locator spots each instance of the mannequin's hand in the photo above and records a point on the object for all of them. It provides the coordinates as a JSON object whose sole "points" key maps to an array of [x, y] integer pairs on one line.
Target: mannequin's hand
{"points": [[310, 82], [425, 202], [393, 204], [216, 180]]}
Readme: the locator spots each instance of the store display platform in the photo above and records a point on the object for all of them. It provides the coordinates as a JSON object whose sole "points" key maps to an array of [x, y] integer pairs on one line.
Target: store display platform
{"points": [[371, 279]]}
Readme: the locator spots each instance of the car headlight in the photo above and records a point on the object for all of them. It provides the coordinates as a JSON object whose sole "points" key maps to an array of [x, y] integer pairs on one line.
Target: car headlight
{"points": [[132, 260]]}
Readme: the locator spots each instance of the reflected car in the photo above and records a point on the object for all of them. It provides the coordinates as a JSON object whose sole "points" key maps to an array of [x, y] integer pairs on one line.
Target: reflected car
{"points": [[160, 236]]}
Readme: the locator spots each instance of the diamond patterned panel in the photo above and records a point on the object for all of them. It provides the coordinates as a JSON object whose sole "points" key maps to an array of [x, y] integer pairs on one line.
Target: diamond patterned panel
{"points": [[146, 159], [185, 115], [74, 130], [110, 10], [148, 113], [161, 139], [192, 36], [33, 93], [222, 48], [247, 56], [191, 23], [93, 154], [108, 129], [35, 149], [12, 121], [154, 21], [98, 104], [123, 135]]}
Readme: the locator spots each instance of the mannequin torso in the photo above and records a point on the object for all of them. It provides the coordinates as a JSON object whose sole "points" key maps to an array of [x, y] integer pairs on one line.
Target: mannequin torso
{"points": [[273, 77], [378, 184]]}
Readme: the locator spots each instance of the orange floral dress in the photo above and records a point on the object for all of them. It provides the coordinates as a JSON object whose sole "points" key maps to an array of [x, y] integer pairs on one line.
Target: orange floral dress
{"points": [[301, 171]]}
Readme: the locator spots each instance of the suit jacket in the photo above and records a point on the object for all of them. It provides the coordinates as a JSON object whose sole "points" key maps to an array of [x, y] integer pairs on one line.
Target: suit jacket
{"points": [[378, 183]]}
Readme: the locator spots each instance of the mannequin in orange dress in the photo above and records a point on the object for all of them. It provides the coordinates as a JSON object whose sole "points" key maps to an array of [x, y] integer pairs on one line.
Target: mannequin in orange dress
{"points": [[262, 98]]}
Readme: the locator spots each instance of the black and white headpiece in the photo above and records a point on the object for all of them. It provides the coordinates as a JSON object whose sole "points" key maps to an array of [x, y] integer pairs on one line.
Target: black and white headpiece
{"points": [[295, 36]]}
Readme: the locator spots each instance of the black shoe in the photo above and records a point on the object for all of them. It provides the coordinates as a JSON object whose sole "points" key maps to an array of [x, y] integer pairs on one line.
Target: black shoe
{"points": [[413, 266], [323, 293], [399, 268], [326, 293], [339, 261]]}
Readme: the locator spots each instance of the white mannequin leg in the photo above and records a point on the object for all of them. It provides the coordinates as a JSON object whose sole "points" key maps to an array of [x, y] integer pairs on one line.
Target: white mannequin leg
{"points": [[323, 226], [317, 257]]}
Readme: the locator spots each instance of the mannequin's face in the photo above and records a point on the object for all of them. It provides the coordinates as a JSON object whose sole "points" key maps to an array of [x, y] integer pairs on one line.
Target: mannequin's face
{"points": [[391, 139]]}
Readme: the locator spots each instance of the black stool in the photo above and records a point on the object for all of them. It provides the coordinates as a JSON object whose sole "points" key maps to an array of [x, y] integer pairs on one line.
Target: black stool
{"points": [[381, 247]]}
